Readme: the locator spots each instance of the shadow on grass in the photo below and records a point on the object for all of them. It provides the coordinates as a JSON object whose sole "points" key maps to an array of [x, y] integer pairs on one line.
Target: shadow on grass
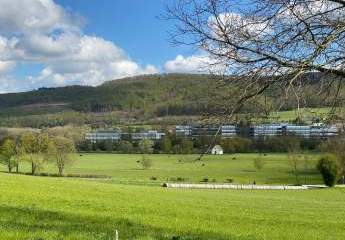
{"points": [[40, 223], [56, 175]]}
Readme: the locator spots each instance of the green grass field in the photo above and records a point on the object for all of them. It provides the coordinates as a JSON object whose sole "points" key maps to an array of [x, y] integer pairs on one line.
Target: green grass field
{"points": [[54, 208], [307, 113], [46, 208], [239, 167]]}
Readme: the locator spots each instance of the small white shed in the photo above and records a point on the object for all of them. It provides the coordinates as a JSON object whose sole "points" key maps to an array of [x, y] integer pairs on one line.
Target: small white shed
{"points": [[217, 150]]}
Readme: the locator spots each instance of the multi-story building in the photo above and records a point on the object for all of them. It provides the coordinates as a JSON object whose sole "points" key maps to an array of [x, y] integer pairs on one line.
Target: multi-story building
{"points": [[152, 135], [304, 131], [198, 130], [103, 135], [183, 131], [226, 131], [323, 131], [296, 130], [266, 130], [205, 130], [229, 131]]}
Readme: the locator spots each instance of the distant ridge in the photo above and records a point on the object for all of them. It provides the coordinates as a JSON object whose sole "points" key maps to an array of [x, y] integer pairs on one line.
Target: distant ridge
{"points": [[155, 95]]}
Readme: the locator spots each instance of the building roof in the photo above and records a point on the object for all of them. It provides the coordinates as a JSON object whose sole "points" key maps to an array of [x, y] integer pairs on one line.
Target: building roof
{"points": [[217, 147]]}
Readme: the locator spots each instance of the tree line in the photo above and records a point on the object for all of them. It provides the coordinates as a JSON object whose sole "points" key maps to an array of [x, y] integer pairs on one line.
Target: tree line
{"points": [[37, 149], [172, 144]]}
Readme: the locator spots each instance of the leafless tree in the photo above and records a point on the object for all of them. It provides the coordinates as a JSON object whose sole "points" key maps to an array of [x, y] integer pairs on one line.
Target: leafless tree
{"points": [[294, 161], [263, 43], [260, 45]]}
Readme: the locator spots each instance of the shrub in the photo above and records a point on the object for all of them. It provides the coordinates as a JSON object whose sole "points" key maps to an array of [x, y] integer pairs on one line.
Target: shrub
{"points": [[329, 169], [178, 179], [146, 162], [205, 180], [229, 180], [259, 163], [126, 147], [146, 146]]}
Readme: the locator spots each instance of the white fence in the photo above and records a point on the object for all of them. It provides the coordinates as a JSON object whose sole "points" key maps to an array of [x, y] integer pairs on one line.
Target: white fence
{"points": [[232, 186]]}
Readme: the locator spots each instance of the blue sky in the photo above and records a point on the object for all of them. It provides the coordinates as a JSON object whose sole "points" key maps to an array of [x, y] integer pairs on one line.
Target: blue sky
{"points": [[132, 24], [65, 42]]}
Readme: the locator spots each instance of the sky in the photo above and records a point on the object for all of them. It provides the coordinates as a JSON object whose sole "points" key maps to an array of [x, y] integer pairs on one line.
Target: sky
{"points": [[52, 43]]}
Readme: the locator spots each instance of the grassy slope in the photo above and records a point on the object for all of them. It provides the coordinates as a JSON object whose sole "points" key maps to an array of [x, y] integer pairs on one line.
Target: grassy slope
{"points": [[50, 209], [125, 169], [307, 114]]}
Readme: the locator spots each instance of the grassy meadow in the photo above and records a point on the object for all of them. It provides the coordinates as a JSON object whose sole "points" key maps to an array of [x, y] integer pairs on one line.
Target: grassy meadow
{"points": [[56, 208], [47, 208], [124, 168], [307, 113]]}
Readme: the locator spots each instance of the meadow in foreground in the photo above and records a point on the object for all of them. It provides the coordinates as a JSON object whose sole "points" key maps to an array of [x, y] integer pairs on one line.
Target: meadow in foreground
{"points": [[55, 208]]}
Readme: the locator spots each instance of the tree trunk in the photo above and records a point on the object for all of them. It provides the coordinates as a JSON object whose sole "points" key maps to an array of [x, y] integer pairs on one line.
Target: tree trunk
{"points": [[61, 171], [33, 168]]}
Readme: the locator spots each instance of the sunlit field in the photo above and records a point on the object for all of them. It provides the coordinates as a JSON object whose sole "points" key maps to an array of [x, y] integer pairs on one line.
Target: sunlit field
{"points": [[238, 167], [136, 205], [56, 208]]}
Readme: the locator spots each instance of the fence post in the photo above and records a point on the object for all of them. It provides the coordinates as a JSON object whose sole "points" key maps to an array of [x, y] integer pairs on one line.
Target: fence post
{"points": [[116, 235]]}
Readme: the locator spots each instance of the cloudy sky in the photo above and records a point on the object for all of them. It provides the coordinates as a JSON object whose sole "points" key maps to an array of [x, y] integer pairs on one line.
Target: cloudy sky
{"points": [[45, 43]]}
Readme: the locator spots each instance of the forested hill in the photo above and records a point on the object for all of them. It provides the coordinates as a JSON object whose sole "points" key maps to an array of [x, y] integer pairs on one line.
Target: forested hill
{"points": [[152, 93], [157, 95]]}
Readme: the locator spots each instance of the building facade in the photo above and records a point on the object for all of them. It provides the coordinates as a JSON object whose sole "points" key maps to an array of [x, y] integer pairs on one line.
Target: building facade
{"points": [[99, 136], [225, 131], [303, 131], [152, 135], [102, 135]]}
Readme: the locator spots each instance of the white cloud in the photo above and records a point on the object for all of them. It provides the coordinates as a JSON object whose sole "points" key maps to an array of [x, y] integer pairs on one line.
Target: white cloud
{"points": [[47, 34], [6, 67], [311, 8], [34, 16], [201, 64], [192, 64], [229, 25]]}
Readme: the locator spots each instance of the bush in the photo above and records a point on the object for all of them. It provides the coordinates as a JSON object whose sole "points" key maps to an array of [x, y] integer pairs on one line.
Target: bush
{"points": [[205, 180], [146, 146], [178, 179], [125, 147], [229, 180], [259, 163], [329, 169], [146, 162]]}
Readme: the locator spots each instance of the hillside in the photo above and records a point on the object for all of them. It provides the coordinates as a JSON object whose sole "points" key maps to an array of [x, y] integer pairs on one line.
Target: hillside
{"points": [[141, 98], [150, 93]]}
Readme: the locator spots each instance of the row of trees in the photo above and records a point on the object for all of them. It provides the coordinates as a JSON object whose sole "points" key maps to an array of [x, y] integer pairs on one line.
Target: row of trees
{"points": [[37, 149], [185, 146], [172, 144]]}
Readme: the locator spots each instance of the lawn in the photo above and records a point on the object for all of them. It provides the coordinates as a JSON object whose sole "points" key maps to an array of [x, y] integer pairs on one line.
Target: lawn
{"points": [[238, 167], [33, 208]]}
